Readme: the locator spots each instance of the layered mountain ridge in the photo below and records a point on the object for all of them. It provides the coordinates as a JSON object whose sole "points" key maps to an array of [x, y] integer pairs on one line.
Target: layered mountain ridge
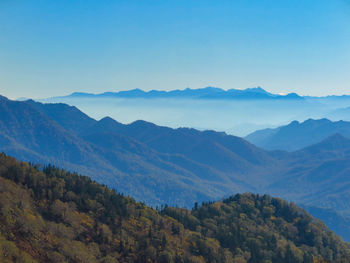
{"points": [[181, 166], [297, 135]]}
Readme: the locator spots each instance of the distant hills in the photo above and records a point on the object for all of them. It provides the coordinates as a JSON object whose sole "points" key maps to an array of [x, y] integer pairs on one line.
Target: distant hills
{"points": [[182, 166], [298, 135], [204, 93], [56, 216]]}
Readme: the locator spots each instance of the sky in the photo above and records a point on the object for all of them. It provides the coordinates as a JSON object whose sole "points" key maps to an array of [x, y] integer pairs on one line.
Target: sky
{"points": [[52, 48]]}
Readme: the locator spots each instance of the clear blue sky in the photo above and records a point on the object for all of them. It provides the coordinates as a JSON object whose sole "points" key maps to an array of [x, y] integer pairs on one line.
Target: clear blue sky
{"points": [[50, 48]]}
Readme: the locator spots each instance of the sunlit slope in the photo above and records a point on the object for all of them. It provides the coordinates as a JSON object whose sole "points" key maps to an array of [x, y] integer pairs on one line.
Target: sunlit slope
{"points": [[56, 216]]}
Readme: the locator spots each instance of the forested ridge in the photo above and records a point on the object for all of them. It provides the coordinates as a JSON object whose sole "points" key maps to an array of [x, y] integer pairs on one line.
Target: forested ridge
{"points": [[51, 215]]}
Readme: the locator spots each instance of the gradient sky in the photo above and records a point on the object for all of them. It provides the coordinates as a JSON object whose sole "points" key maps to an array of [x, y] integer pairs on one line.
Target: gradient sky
{"points": [[50, 48]]}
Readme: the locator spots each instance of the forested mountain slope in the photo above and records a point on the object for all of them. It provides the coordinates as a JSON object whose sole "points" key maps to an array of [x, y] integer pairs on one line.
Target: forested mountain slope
{"points": [[57, 216]]}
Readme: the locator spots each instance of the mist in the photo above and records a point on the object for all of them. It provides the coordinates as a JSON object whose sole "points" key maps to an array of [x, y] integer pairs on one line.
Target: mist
{"points": [[236, 117]]}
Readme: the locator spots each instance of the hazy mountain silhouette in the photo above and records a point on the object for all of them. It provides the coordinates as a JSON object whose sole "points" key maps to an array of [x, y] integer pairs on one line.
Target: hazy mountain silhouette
{"points": [[318, 175], [204, 93], [296, 135], [340, 114]]}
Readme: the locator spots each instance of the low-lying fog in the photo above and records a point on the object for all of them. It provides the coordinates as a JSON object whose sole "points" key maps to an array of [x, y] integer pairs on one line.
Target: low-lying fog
{"points": [[235, 117]]}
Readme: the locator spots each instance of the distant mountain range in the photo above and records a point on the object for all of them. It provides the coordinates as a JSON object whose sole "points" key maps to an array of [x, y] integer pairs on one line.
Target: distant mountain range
{"points": [[298, 135], [237, 112], [201, 93], [204, 93], [176, 166]]}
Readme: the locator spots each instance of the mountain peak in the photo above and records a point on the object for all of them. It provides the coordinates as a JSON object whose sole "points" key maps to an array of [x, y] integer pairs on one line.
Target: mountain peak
{"points": [[257, 89], [293, 124], [107, 119], [108, 124], [142, 123], [314, 121], [332, 143], [298, 135], [293, 95]]}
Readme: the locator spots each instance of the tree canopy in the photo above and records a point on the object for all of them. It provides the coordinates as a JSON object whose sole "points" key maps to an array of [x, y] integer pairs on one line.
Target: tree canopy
{"points": [[51, 215]]}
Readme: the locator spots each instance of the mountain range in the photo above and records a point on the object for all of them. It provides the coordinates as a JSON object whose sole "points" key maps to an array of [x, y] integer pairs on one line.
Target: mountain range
{"points": [[79, 143], [159, 165], [204, 93], [298, 135], [237, 112]]}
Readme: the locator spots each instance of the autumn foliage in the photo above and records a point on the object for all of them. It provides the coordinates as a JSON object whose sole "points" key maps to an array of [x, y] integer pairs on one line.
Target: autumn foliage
{"points": [[51, 215]]}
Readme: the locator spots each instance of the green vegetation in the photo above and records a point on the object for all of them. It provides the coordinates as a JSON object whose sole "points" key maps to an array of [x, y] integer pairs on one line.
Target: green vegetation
{"points": [[56, 216]]}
